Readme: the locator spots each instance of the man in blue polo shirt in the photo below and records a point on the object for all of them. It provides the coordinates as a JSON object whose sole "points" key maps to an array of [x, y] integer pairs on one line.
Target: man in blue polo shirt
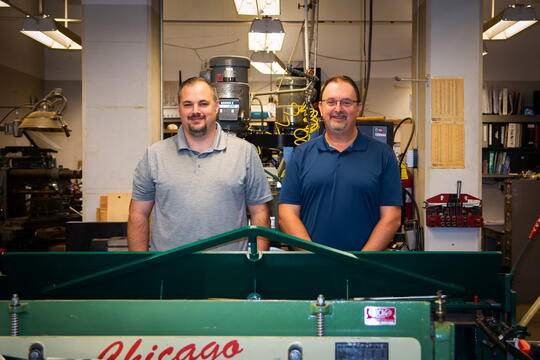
{"points": [[342, 189]]}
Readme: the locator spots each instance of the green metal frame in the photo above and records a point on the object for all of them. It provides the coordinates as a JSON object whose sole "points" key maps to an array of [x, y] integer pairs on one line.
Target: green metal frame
{"points": [[173, 289], [228, 318]]}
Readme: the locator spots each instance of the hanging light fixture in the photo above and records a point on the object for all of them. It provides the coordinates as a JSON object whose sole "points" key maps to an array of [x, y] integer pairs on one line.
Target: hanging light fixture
{"points": [[51, 33], [46, 115], [3, 4], [509, 22], [267, 63], [257, 7], [266, 34]]}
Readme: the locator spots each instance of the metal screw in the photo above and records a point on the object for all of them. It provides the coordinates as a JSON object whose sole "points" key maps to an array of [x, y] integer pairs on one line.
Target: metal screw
{"points": [[14, 315], [320, 316], [440, 306]]}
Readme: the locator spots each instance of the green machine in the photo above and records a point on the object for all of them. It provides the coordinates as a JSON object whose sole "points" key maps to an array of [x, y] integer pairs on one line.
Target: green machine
{"points": [[187, 304]]}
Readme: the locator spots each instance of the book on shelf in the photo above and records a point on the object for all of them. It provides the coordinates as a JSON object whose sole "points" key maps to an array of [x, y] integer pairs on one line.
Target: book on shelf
{"points": [[496, 163], [511, 139], [529, 135], [495, 132], [501, 101], [510, 135], [491, 162], [485, 135]]}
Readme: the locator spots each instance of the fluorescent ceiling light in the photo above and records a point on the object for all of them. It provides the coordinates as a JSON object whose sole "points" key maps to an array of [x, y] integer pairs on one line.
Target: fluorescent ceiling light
{"points": [[509, 22], [257, 7], [51, 34], [3, 4], [267, 63], [266, 34]]}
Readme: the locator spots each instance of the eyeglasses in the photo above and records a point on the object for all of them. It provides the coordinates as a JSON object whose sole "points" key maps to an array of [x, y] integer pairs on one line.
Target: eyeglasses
{"points": [[343, 102]]}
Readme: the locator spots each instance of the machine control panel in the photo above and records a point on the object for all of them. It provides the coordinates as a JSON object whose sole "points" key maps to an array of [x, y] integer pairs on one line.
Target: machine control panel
{"points": [[229, 109]]}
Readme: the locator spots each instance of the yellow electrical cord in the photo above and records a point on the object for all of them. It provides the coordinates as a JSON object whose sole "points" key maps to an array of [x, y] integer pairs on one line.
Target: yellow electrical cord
{"points": [[310, 118], [312, 124]]}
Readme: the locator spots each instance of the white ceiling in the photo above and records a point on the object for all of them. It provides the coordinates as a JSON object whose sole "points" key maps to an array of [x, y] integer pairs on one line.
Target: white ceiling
{"points": [[338, 40]]}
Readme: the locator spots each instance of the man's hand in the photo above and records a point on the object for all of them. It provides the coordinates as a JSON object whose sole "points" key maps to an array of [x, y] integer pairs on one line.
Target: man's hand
{"points": [[290, 222], [386, 228]]}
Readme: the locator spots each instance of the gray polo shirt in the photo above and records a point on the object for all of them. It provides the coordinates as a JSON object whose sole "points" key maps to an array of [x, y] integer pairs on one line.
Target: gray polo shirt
{"points": [[198, 195]]}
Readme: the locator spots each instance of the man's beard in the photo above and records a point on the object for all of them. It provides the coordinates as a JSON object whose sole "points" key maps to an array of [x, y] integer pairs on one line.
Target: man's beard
{"points": [[337, 127], [197, 132]]}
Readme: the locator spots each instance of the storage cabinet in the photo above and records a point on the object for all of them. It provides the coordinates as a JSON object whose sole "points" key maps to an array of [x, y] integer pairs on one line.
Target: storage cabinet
{"points": [[510, 144], [521, 209]]}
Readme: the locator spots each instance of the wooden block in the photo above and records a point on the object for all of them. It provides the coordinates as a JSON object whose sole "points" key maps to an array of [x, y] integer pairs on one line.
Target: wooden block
{"points": [[102, 214], [103, 201], [118, 206]]}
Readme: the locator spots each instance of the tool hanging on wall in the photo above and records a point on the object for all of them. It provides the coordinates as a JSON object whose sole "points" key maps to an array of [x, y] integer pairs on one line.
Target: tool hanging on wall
{"points": [[454, 210]]}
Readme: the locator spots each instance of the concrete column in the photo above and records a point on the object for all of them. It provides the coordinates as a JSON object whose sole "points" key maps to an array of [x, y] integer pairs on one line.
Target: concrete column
{"points": [[120, 93], [447, 42]]}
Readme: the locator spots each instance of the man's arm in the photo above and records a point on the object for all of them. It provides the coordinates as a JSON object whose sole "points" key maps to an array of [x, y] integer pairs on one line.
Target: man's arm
{"points": [[290, 222], [260, 216], [386, 228], [139, 224]]}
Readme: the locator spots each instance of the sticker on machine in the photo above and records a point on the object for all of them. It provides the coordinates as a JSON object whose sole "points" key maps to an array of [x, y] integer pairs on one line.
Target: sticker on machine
{"points": [[379, 315]]}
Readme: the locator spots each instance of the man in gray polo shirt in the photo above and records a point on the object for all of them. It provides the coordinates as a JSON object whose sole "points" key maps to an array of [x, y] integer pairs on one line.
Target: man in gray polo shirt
{"points": [[199, 183]]}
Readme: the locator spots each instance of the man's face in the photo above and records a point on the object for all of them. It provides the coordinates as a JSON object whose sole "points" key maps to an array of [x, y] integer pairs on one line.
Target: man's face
{"points": [[339, 107], [198, 109]]}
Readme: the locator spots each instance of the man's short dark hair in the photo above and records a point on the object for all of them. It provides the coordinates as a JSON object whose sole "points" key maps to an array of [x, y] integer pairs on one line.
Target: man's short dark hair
{"points": [[193, 80], [344, 78]]}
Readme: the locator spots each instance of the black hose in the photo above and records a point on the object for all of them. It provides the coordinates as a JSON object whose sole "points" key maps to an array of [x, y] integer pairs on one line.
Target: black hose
{"points": [[518, 354]]}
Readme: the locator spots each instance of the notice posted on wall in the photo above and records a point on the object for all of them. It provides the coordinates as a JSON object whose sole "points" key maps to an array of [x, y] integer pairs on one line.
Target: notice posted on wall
{"points": [[447, 119], [447, 146]]}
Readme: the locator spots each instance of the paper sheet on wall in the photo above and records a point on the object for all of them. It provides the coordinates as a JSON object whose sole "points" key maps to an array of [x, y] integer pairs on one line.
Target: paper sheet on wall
{"points": [[447, 146], [447, 130]]}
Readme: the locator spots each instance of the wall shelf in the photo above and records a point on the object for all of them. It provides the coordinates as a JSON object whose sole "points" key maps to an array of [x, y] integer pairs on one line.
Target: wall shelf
{"points": [[499, 176], [510, 119]]}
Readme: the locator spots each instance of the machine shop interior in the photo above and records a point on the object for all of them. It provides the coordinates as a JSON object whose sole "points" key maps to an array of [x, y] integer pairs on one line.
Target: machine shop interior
{"points": [[66, 192]]}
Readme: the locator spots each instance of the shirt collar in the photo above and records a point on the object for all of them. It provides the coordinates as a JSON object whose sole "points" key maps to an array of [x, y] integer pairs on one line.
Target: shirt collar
{"points": [[219, 143], [359, 144]]}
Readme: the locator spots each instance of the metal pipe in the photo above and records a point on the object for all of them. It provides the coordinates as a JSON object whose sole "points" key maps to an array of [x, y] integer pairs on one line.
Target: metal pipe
{"points": [[306, 42], [19, 9], [530, 313], [55, 173], [299, 22], [408, 298], [316, 37], [275, 92]]}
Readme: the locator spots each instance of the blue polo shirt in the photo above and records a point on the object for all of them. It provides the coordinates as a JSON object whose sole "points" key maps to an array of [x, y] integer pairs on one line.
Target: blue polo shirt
{"points": [[340, 192]]}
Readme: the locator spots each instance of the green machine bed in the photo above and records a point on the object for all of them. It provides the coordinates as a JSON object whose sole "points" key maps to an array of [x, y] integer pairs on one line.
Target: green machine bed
{"points": [[319, 304]]}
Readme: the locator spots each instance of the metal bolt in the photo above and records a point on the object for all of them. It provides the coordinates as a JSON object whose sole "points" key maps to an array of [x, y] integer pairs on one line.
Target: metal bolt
{"points": [[35, 352], [320, 316], [14, 315], [295, 354], [440, 306]]}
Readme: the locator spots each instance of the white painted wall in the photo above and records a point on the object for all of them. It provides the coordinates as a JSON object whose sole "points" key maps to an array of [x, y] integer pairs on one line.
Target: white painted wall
{"points": [[120, 94], [453, 49]]}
